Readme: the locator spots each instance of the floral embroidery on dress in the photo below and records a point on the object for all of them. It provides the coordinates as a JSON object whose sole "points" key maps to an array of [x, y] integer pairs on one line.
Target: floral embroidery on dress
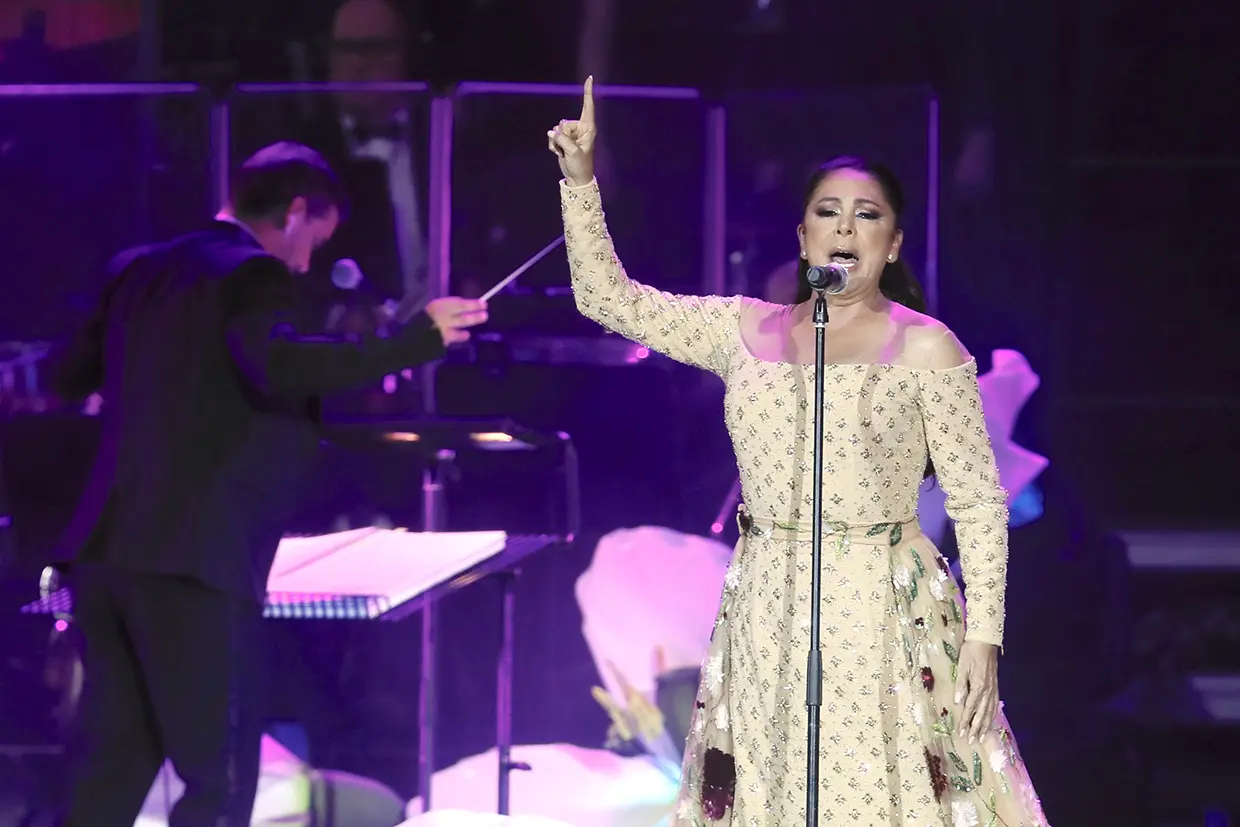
{"points": [[718, 783], [938, 779]]}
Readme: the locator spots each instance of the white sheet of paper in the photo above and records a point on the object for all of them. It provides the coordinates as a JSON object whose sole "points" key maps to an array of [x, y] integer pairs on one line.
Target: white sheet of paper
{"points": [[295, 552], [396, 565]]}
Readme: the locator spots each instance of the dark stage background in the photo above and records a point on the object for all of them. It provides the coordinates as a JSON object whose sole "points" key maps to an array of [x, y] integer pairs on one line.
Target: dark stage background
{"points": [[1071, 169]]}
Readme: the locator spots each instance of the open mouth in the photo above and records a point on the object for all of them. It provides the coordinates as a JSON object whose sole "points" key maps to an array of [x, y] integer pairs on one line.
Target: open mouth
{"points": [[845, 258]]}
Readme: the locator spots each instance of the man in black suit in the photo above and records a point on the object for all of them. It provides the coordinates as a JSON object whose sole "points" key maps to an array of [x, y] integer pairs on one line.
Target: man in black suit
{"points": [[210, 414]]}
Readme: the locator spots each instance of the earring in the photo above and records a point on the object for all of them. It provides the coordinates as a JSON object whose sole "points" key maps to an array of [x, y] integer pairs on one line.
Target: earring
{"points": [[804, 254], [891, 259]]}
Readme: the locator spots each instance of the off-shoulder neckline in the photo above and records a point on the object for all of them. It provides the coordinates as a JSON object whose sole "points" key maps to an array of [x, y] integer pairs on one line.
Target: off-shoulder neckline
{"points": [[963, 367]]}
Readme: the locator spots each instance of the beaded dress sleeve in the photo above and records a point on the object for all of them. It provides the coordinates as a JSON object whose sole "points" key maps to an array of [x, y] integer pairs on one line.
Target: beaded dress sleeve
{"points": [[964, 465], [695, 330]]}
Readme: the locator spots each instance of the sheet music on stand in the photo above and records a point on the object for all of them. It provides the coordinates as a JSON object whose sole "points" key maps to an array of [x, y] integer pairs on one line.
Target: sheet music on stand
{"points": [[372, 573]]}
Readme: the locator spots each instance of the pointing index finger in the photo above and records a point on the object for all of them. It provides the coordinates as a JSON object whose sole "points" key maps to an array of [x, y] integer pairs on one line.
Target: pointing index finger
{"points": [[587, 102]]}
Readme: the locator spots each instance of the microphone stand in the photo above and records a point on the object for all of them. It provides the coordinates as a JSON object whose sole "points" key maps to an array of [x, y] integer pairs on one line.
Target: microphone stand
{"points": [[813, 672]]}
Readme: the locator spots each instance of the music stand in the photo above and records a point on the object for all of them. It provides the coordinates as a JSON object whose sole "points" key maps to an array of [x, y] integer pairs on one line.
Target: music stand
{"points": [[437, 441]]}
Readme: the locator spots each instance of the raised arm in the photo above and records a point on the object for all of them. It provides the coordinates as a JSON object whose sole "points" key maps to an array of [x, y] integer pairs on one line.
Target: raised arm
{"points": [[698, 330], [277, 359], [964, 464]]}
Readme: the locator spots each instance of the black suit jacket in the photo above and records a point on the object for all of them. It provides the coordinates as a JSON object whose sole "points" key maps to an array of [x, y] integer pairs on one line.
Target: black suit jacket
{"points": [[210, 407]]}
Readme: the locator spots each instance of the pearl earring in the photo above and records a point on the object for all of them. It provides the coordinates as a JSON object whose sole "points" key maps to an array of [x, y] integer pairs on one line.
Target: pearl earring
{"points": [[804, 254]]}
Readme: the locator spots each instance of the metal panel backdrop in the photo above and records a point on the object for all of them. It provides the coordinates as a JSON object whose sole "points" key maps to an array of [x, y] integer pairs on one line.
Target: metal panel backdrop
{"points": [[505, 203], [88, 171]]}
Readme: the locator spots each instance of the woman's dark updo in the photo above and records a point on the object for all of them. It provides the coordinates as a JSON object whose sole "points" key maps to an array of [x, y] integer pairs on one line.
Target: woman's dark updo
{"points": [[897, 281]]}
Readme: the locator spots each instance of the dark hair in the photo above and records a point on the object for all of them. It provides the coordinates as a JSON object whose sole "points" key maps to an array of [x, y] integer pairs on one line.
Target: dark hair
{"points": [[897, 281], [269, 180]]}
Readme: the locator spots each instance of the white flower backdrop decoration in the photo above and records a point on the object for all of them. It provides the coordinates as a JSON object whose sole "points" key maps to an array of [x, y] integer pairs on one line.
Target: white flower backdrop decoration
{"points": [[648, 602]]}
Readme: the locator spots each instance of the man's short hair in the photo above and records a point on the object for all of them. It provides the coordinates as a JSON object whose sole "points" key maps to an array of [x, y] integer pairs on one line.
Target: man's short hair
{"points": [[266, 184]]}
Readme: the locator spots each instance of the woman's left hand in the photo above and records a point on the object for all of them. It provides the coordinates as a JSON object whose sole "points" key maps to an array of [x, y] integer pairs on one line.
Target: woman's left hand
{"points": [[977, 688]]}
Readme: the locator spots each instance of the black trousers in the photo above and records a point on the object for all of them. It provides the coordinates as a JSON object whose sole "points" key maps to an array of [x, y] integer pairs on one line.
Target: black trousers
{"points": [[172, 671]]}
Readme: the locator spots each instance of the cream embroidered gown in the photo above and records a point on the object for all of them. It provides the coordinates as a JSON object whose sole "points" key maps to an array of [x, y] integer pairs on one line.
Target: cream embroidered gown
{"points": [[892, 615]]}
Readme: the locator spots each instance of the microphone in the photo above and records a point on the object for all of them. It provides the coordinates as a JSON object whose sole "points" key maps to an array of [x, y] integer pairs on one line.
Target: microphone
{"points": [[831, 279], [347, 275]]}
